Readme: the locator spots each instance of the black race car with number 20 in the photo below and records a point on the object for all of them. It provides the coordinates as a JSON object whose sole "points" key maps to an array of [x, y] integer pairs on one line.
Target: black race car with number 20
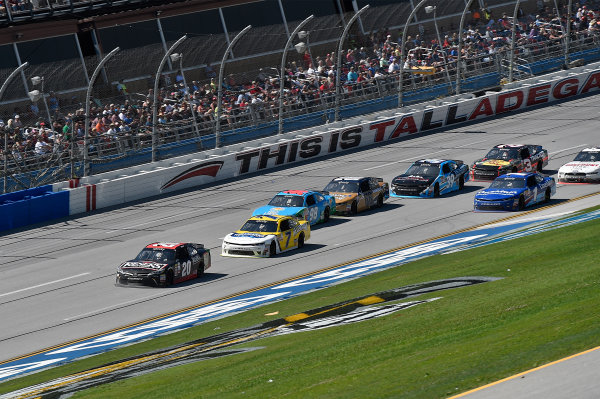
{"points": [[164, 264]]}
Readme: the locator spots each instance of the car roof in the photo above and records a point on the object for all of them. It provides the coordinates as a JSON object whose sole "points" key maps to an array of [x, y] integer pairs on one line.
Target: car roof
{"points": [[521, 175], [165, 245], [272, 218], [592, 149], [433, 161], [354, 179], [294, 192]]}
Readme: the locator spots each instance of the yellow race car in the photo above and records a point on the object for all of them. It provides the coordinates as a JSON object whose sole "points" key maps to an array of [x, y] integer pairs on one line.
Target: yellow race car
{"points": [[356, 194], [265, 236]]}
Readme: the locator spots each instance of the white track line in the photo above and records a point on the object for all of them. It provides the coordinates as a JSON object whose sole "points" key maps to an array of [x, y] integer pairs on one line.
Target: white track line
{"points": [[566, 149], [423, 156], [41, 285], [118, 305], [169, 217]]}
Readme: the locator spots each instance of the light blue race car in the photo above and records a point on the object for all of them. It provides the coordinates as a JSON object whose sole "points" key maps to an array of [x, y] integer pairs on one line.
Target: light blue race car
{"points": [[430, 178], [514, 192], [313, 206]]}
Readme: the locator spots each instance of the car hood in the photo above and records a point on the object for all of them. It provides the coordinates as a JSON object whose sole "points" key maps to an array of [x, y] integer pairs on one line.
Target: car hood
{"points": [[412, 180], [343, 197], [493, 162], [498, 194], [248, 238], [278, 210], [134, 265], [581, 167]]}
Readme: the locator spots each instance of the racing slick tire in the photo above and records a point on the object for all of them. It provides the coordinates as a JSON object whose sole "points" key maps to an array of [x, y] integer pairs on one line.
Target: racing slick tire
{"points": [[540, 166], [436, 190], [301, 241], [521, 205], [272, 249], [354, 208], [514, 169], [326, 214], [547, 196], [380, 201], [461, 182]]}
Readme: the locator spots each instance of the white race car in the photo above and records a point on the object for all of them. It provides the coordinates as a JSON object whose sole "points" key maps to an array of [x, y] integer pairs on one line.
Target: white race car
{"points": [[585, 168]]}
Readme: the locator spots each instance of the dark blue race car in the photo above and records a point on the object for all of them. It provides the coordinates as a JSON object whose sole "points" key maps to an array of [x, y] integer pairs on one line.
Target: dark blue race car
{"points": [[309, 205], [515, 191], [430, 178]]}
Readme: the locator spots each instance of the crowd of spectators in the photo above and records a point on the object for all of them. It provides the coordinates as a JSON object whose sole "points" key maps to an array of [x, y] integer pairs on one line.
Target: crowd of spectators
{"points": [[128, 118]]}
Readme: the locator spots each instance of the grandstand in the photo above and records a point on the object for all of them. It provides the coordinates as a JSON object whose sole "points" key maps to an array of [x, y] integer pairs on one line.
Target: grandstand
{"points": [[44, 146]]}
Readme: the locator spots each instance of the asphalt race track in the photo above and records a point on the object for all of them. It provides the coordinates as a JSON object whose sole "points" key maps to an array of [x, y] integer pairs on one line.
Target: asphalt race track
{"points": [[57, 280]]}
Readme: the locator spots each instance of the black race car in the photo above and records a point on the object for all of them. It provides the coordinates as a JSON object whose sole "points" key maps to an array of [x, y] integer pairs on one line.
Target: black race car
{"points": [[509, 158], [164, 264]]}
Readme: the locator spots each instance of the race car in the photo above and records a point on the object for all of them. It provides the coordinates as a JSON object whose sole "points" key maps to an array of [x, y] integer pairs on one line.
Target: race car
{"points": [[509, 158], [430, 178], [515, 191], [356, 194], [585, 168], [164, 264], [265, 236], [310, 205]]}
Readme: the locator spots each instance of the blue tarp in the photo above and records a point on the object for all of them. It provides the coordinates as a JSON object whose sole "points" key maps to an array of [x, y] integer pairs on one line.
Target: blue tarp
{"points": [[30, 206]]}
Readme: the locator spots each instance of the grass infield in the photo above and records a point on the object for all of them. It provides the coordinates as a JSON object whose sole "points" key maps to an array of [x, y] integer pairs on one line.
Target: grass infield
{"points": [[544, 309]]}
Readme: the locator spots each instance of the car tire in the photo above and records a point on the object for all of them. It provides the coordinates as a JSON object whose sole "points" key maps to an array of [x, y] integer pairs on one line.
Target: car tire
{"points": [[380, 201], [514, 170], [200, 272], [461, 182], [301, 240], [272, 249], [521, 205], [540, 166], [436, 190], [547, 196], [354, 208], [326, 214]]}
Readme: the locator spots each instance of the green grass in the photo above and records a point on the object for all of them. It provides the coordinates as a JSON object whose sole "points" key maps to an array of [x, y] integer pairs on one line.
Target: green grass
{"points": [[544, 309]]}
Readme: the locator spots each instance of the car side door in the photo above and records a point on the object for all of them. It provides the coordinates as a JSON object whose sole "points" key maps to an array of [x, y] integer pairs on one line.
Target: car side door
{"points": [[365, 195], [285, 236], [196, 258], [313, 209], [183, 267], [532, 190]]}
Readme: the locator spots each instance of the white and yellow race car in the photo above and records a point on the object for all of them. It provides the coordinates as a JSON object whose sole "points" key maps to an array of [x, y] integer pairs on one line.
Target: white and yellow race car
{"points": [[265, 236]]}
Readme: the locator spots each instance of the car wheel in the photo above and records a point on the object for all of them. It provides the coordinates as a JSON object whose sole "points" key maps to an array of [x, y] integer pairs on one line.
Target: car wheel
{"points": [[380, 201], [326, 215], [272, 249], [547, 196], [461, 182], [540, 166], [436, 190], [514, 170], [200, 272], [354, 208], [301, 241], [521, 203]]}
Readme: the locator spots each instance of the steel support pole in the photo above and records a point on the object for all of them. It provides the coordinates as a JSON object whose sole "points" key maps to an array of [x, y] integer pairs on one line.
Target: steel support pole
{"points": [[155, 100], [437, 32], [339, 60], [282, 73], [402, 45], [460, 45], [568, 36], [86, 137], [512, 41], [220, 83], [2, 90]]}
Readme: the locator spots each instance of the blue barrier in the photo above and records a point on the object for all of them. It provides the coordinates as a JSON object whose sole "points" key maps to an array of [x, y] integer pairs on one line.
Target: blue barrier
{"points": [[33, 205]]}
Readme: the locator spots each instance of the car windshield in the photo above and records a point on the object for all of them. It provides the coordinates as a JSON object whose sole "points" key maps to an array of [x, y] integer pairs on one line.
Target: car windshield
{"points": [[287, 200], [156, 255], [503, 153], [587, 156], [261, 226], [508, 183], [424, 169], [342, 187]]}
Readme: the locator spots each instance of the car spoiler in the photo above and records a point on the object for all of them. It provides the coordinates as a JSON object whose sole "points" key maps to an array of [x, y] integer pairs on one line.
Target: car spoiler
{"points": [[458, 162]]}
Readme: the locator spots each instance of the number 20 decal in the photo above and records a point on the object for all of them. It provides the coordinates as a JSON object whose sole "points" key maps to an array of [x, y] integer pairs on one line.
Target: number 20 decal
{"points": [[186, 268]]}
